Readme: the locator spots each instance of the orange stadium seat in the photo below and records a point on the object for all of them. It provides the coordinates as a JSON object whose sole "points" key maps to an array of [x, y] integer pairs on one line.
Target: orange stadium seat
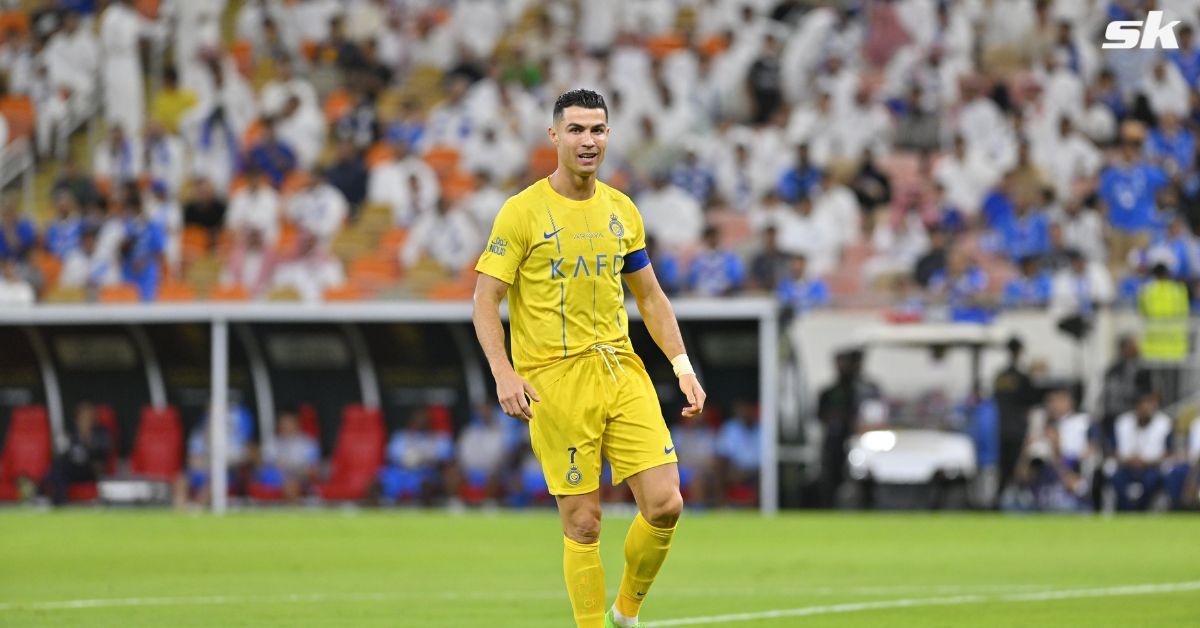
{"points": [[293, 182], [194, 242], [48, 267], [374, 271], [119, 293], [20, 114], [457, 185], [14, 21], [251, 135], [543, 160], [148, 8], [158, 446], [27, 450], [229, 293], [379, 153], [174, 292], [243, 54], [452, 290], [337, 104], [345, 293], [443, 160], [289, 234], [392, 240], [661, 46]]}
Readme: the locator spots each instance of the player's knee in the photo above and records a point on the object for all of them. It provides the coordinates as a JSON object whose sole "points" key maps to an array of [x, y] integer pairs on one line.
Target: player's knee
{"points": [[583, 527], [664, 512]]}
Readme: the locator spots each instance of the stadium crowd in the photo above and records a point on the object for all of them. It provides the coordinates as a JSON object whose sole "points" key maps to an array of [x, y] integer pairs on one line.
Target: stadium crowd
{"points": [[956, 157]]}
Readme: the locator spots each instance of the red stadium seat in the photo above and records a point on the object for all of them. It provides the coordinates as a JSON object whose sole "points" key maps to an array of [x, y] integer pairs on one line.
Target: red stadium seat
{"points": [[27, 450], [358, 455], [158, 447], [309, 423], [106, 418]]}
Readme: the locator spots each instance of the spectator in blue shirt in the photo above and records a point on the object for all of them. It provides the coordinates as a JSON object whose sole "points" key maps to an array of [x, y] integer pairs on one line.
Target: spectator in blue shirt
{"points": [[738, 449], [797, 293], [1028, 235], [998, 210], [418, 459], [1108, 93], [799, 180], [141, 252], [272, 156], [1171, 145], [961, 287], [1029, 290], [17, 233], [715, 271], [665, 265], [66, 229], [1128, 188], [1187, 56], [409, 127], [694, 177]]}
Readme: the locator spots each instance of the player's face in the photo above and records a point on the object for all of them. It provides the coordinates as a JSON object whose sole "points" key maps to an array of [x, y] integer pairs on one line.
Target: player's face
{"points": [[581, 137]]}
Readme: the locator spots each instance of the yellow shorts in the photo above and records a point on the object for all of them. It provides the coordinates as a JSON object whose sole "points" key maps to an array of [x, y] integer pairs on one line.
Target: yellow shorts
{"points": [[584, 414]]}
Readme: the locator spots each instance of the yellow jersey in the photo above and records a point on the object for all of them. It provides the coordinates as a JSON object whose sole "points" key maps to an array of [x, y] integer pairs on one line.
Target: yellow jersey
{"points": [[563, 260]]}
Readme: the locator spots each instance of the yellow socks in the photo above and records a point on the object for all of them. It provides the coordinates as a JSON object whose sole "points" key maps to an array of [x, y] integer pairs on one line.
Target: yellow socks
{"points": [[584, 574], [645, 550]]}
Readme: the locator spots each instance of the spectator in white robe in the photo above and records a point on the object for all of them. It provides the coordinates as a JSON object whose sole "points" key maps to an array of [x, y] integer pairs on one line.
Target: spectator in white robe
{"points": [[670, 214], [118, 160], [448, 236], [815, 237], [318, 208], [122, 30], [254, 207], [406, 184]]}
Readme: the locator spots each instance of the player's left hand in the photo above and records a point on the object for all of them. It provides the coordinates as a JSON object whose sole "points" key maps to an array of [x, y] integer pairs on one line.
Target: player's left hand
{"points": [[690, 386]]}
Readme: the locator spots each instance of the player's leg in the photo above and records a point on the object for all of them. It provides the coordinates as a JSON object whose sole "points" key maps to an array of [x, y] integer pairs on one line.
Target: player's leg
{"points": [[582, 568], [565, 434], [648, 541], [638, 445]]}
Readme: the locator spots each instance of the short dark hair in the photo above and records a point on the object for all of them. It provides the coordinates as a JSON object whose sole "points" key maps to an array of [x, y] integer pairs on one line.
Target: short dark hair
{"points": [[585, 98]]}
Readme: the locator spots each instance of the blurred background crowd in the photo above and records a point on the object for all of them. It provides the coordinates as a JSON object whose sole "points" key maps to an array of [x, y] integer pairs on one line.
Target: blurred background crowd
{"points": [[948, 158], [940, 160]]}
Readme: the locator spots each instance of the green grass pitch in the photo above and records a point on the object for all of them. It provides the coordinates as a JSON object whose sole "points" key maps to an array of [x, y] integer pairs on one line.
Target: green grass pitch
{"points": [[335, 568]]}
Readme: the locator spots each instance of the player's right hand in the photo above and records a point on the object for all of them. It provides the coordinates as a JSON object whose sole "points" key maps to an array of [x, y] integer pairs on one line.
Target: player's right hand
{"points": [[512, 389]]}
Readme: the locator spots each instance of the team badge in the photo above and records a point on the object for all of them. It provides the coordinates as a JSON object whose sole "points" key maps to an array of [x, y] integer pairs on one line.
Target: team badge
{"points": [[614, 226], [574, 477]]}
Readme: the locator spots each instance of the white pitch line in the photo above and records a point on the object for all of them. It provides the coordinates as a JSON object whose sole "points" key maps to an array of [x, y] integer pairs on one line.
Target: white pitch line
{"points": [[224, 600], [848, 607], [854, 607]]}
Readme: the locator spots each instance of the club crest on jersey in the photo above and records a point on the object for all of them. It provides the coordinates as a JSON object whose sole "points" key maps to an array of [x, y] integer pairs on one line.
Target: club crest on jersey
{"points": [[498, 246], [615, 226], [574, 476]]}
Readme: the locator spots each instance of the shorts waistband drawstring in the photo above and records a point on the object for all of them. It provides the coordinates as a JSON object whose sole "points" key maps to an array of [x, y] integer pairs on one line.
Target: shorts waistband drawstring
{"points": [[607, 351]]}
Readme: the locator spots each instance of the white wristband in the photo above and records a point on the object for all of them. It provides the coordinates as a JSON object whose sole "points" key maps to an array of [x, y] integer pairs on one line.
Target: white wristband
{"points": [[682, 365]]}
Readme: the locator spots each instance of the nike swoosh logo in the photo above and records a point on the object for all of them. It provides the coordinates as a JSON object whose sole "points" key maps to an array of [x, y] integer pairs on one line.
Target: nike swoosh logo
{"points": [[552, 233], [641, 593], [667, 451]]}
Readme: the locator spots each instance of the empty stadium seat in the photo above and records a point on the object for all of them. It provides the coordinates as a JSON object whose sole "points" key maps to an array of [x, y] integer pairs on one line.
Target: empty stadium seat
{"points": [[120, 293], [107, 418], [175, 292], [443, 160], [158, 446], [27, 452], [357, 457]]}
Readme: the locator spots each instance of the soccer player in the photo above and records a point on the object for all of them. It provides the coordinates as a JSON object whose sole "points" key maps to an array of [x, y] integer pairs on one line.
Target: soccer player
{"points": [[559, 250]]}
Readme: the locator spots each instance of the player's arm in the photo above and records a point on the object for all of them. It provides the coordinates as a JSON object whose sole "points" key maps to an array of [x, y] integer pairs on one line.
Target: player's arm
{"points": [[510, 387], [659, 317]]}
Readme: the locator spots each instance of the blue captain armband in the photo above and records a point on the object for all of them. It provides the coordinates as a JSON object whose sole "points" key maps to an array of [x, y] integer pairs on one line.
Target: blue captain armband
{"points": [[636, 261]]}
